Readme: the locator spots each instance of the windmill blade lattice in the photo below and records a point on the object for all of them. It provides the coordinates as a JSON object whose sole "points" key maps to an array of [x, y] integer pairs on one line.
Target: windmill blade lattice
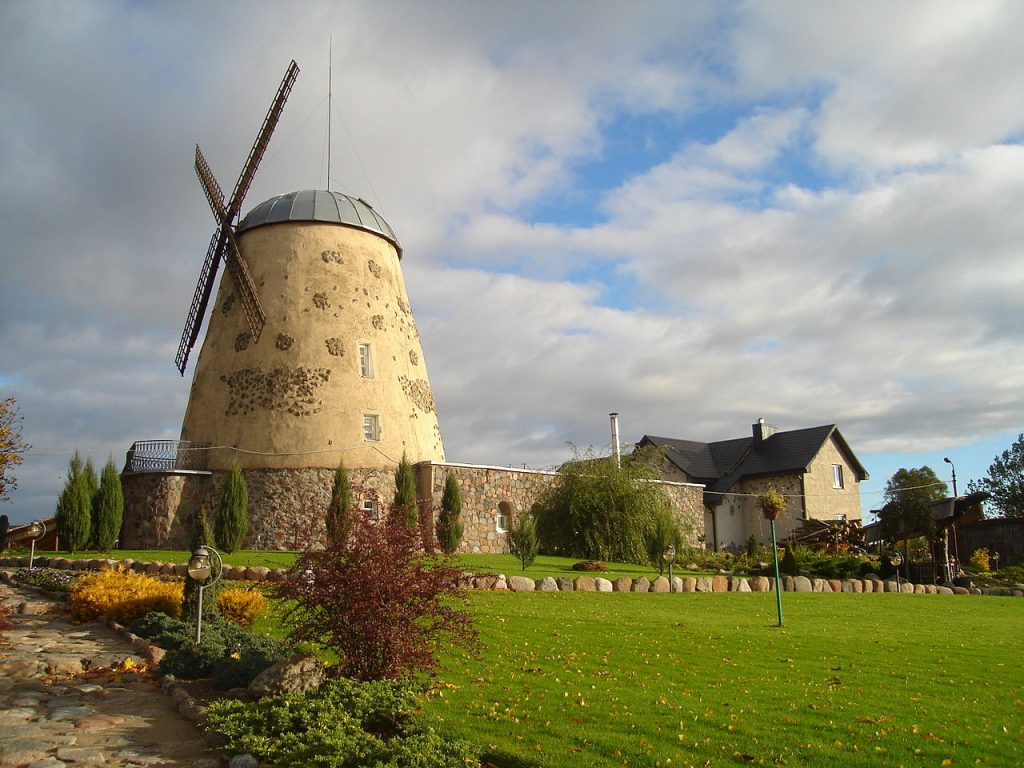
{"points": [[223, 244]]}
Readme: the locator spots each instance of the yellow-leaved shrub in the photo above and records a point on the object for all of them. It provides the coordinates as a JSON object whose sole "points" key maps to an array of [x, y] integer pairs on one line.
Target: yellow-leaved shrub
{"points": [[123, 596], [241, 605]]}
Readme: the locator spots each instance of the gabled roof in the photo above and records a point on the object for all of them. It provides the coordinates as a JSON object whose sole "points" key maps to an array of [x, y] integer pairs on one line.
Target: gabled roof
{"points": [[720, 465]]}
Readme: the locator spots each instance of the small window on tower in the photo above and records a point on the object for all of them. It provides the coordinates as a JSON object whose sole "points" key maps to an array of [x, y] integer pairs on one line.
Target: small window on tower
{"points": [[504, 518], [365, 361], [370, 509], [371, 428], [837, 475]]}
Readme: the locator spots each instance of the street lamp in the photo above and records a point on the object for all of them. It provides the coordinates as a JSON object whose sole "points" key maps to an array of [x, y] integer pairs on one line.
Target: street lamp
{"points": [[995, 560], [36, 531], [669, 556], [897, 560], [953, 467], [204, 563]]}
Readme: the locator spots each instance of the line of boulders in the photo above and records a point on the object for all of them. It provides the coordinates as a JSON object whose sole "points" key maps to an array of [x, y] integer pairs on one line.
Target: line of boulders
{"points": [[719, 583], [151, 567], [583, 583]]}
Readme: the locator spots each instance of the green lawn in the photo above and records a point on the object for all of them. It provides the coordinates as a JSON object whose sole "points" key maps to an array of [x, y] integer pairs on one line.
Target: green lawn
{"points": [[708, 680]]}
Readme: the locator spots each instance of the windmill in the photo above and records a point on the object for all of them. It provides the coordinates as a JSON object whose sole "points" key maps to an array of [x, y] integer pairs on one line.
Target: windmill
{"points": [[223, 245]]}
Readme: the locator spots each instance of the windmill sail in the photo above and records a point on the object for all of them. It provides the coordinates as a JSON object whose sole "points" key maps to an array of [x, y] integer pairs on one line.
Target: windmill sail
{"points": [[223, 245]]}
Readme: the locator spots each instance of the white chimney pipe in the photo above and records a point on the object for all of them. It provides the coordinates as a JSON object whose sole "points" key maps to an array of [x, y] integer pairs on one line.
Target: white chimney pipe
{"points": [[615, 440]]}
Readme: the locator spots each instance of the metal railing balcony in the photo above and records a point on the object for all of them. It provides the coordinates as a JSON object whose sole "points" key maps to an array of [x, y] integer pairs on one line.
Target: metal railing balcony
{"points": [[167, 456]]}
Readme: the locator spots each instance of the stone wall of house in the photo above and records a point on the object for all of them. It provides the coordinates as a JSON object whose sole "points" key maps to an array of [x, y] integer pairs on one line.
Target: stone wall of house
{"points": [[288, 507], [493, 493]]}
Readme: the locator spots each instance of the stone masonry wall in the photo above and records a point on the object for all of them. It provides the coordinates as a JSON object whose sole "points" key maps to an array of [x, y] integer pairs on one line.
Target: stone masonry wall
{"points": [[288, 507]]}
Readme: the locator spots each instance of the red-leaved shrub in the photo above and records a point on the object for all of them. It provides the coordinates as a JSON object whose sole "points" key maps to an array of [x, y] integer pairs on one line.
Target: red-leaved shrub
{"points": [[377, 600]]}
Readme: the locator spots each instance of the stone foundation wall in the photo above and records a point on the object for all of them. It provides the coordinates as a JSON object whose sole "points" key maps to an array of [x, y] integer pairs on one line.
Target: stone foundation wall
{"points": [[288, 507], [490, 492]]}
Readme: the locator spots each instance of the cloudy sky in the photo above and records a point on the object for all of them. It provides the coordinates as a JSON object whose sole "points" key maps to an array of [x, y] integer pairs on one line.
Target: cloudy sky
{"points": [[695, 214]]}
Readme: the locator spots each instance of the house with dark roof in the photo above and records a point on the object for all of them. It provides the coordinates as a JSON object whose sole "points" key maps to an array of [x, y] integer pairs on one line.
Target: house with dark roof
{"points": [[814, 469]]}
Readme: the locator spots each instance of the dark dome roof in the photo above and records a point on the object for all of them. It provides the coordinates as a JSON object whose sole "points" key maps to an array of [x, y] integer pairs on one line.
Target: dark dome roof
{"points": [[319, 205]]}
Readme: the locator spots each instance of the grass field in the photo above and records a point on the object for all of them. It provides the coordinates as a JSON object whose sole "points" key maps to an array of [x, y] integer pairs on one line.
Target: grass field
{"points": [[708, 680]]}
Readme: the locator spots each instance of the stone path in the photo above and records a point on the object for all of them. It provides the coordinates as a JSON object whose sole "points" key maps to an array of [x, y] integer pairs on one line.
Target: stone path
{"points": [[67, 698]]}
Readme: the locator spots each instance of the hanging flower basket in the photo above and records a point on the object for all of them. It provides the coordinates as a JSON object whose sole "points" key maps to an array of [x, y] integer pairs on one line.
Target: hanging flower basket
{"points": [[772, 503]]}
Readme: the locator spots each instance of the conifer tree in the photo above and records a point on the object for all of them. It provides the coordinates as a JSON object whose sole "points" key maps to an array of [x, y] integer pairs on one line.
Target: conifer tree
{"points": [[232, 521], [74, 507], [449, 523], [404, 509], [108, 505], [339, 511], [92, 485]]}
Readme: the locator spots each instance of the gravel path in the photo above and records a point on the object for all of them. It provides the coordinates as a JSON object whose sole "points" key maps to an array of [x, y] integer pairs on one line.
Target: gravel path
{"points": [[67, 697]]}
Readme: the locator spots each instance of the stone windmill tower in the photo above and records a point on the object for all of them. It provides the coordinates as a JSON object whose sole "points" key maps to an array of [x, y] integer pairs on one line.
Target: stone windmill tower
{"points": [[311, 353]]}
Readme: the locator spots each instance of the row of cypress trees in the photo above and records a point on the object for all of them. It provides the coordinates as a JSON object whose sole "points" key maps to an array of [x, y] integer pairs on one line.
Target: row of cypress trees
{"points": [[90, 508]]}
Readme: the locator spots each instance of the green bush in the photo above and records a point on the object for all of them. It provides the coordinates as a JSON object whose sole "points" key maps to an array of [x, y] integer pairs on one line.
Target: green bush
{"points": [[664, 531], [343, 724], [449, 526], [789, 564], [228, 654], [339, 510]]}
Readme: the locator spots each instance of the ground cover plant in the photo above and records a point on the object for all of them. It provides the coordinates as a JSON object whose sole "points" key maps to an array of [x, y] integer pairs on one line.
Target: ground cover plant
{"points": [[707, 680]]}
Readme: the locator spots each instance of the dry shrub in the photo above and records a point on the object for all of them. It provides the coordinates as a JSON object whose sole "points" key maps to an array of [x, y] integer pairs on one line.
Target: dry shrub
{"points": [[123, 596], [241, 606]]}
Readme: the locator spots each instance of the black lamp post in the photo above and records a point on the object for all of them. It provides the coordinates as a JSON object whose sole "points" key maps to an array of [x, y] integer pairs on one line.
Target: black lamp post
{"points": [[897, 560], [669, 556], [204, 563], [995, 560], [953, 467]]}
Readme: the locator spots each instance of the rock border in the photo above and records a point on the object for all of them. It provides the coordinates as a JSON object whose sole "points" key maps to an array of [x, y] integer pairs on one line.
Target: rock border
{"points": [[583, 583]]}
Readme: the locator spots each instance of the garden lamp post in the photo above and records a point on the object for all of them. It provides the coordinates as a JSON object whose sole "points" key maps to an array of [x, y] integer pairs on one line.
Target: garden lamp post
{"points": [[995, 560], [204, 563], [772, 503], [897, 560], [36, 531], [669, 556]]}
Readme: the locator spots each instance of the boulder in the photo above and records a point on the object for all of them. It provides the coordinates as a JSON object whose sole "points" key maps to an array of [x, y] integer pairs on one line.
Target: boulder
{"points": [[660, 584], [919, 589], [846, 586], [622, 584], [153, 568], [788, 585], [78, 565], [689, 584], [889, 586], [547, 584], [802, 584], [719, 584], [961, 591], [237, 572], [744, 585], [278, 574], [930, 589], [602, 584], [258, 573], [759, 584], [296, 675], [565, 584], [677, 584], [818, 585], [485, 582], [836, 584], [941, 590], [703, 583], [244, 761], [500, 583], [585, 584], [521, 584], [641, 584]]}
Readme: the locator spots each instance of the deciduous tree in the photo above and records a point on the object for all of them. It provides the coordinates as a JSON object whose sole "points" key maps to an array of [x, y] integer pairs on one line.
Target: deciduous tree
{"points": [[522, 539], [1005, 480], [377, 600], [12, 447], [598, 511], [909, 494]]}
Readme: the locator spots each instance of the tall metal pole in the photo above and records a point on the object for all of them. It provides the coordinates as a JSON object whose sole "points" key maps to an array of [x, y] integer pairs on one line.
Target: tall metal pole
{"points": [[199, 616], [778, 581]]}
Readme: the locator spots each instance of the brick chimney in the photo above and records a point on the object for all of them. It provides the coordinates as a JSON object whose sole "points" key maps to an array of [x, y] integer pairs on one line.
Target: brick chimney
{"points": [[762, 432]]}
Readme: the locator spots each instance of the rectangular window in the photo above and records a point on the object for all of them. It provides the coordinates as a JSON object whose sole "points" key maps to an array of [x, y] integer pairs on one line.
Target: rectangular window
{"points": [[502, 526], [370, 509], [371, 428], [837, 475], [365, 361]]}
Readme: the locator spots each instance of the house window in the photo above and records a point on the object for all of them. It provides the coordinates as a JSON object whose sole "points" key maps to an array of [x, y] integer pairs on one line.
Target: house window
{"points": [[371, 428], [504, 517], [841, 518], [365, 361], [837, 475], [370, 509]]}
